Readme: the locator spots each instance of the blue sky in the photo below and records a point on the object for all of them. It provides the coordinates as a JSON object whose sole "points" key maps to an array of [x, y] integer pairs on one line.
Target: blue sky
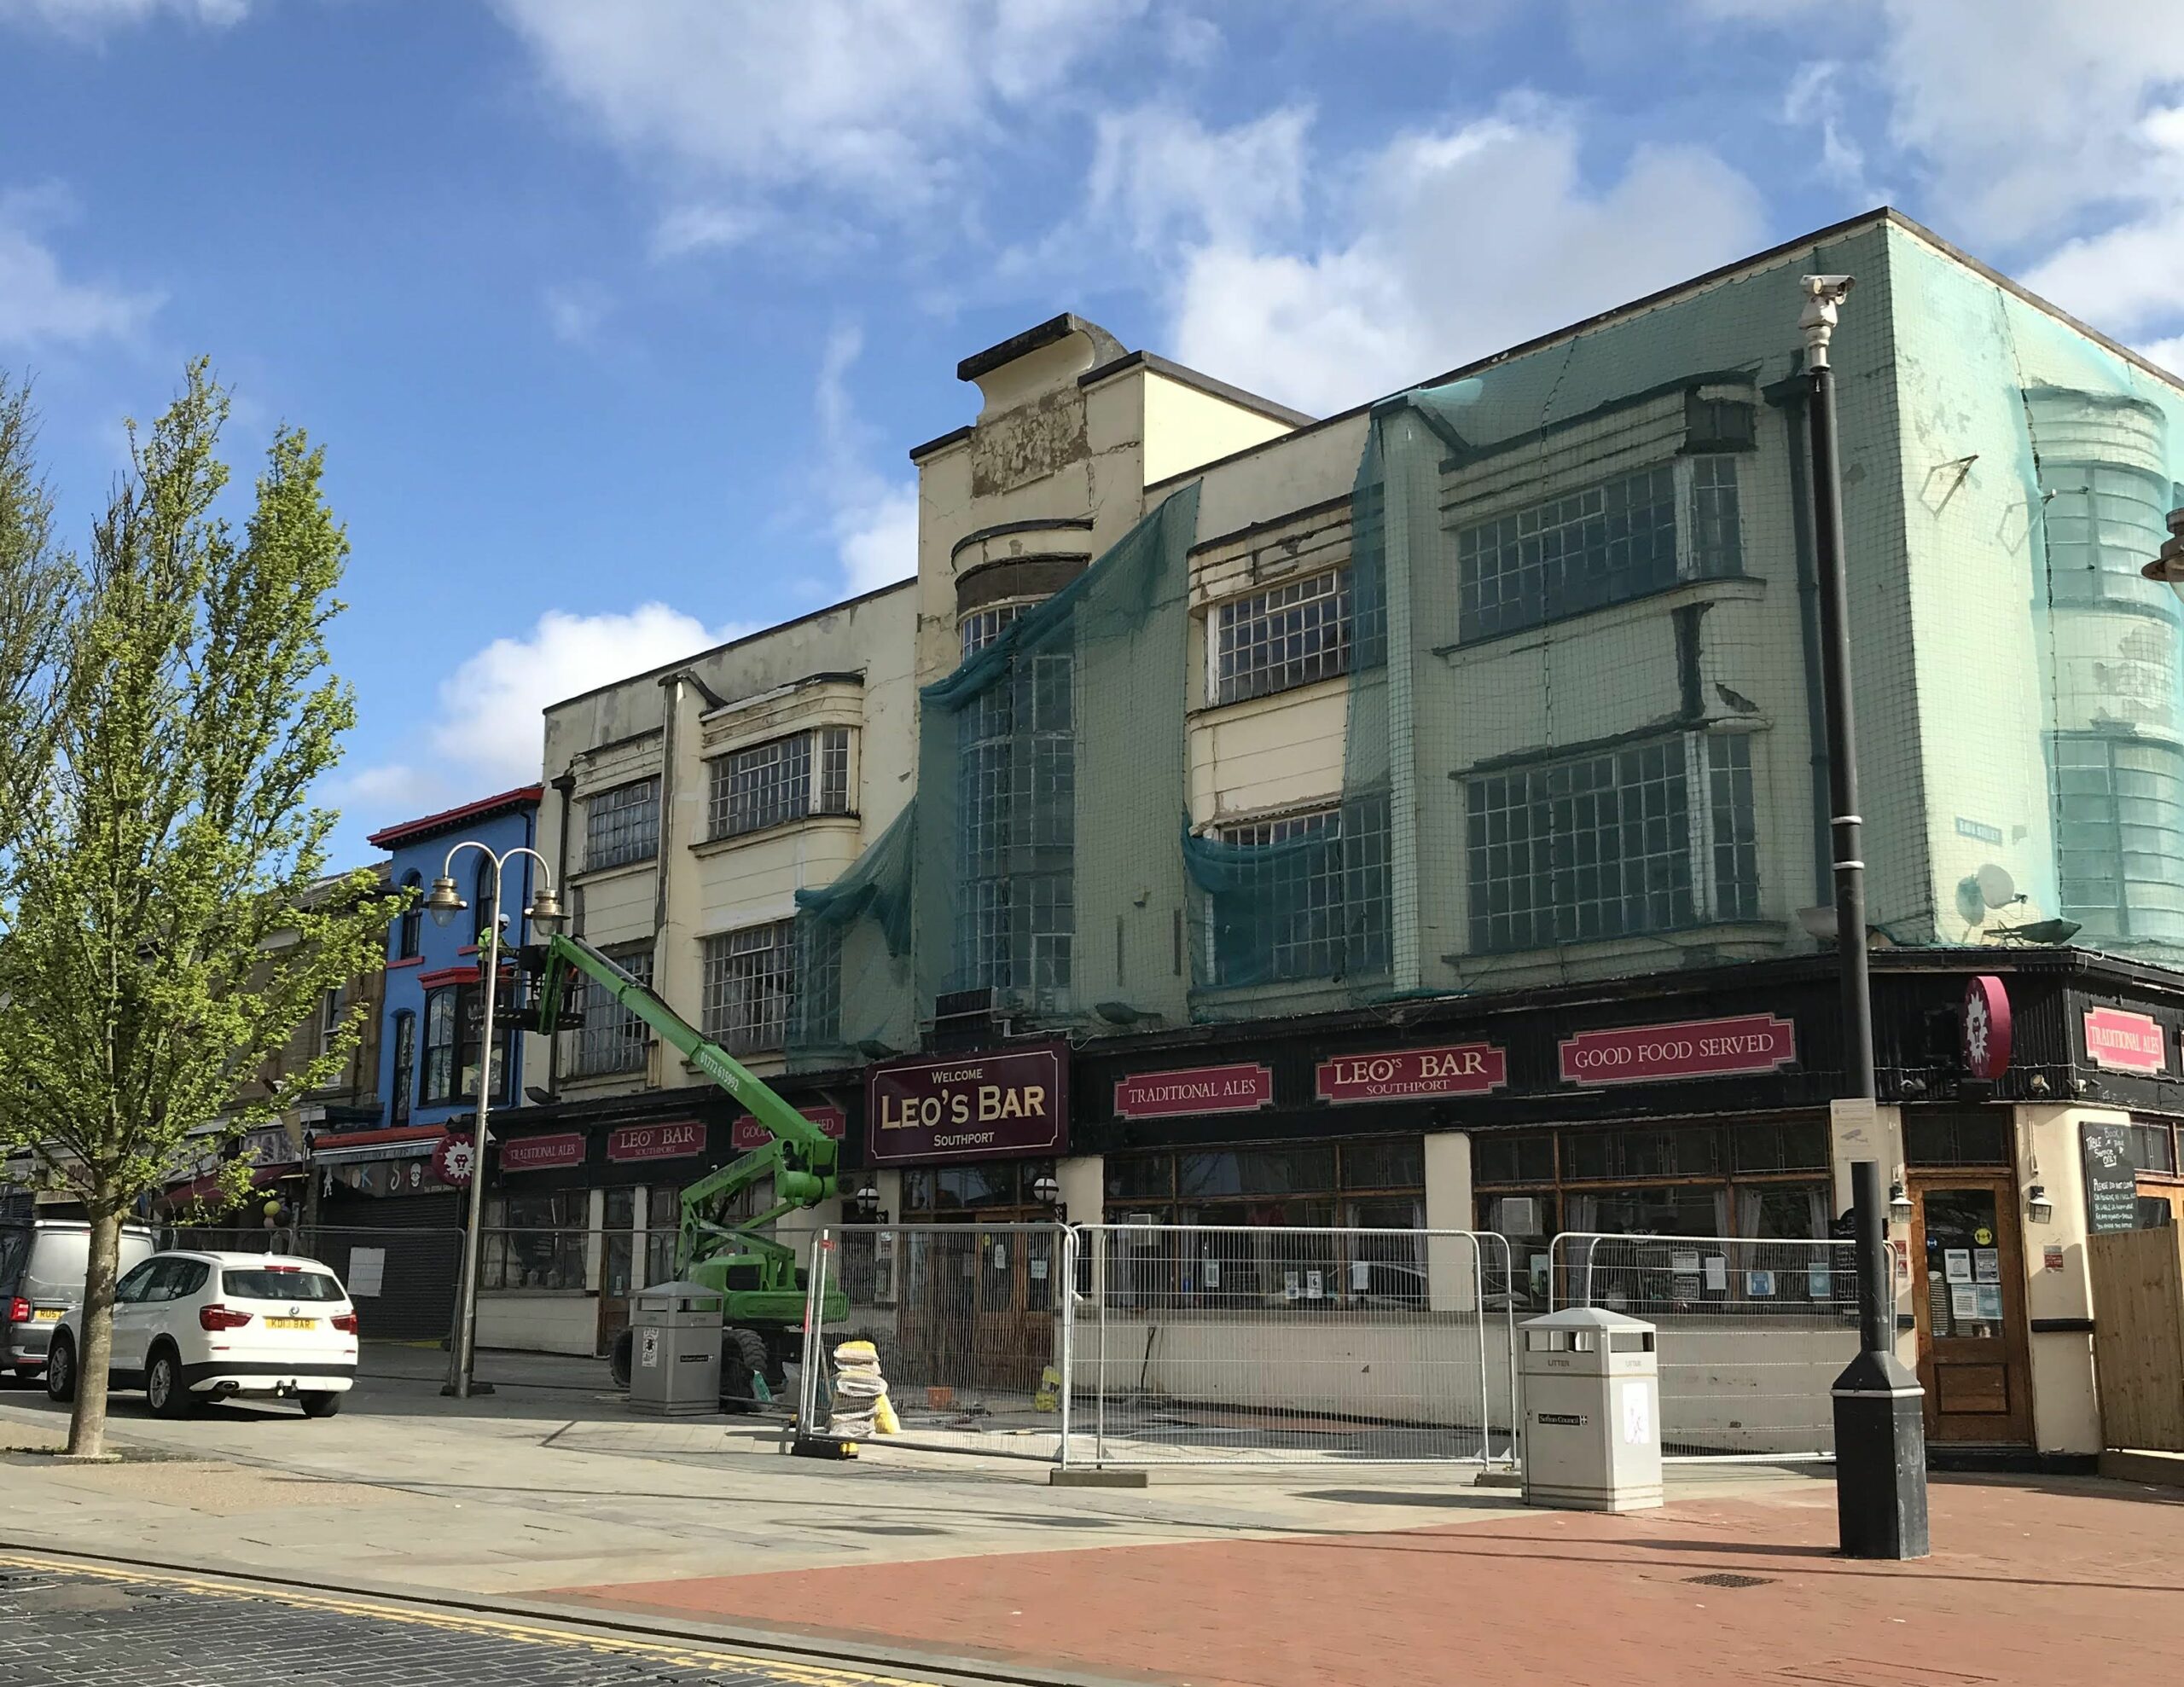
{"points": [[616, 319]]}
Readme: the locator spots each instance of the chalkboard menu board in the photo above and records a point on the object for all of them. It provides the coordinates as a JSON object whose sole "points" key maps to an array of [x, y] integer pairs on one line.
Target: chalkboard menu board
{"points": [[2111, 1179]]}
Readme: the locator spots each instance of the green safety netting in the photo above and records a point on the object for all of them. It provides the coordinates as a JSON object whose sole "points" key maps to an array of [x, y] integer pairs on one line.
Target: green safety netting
{"points": [[1038, 860], [1581, 727]]}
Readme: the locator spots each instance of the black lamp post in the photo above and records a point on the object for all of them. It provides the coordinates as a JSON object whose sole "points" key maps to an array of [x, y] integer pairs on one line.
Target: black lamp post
{"points": [[1880, 1426]]}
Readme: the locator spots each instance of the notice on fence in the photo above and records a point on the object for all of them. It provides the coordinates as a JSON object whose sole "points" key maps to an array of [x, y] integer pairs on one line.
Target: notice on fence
{"points": [[1717, 1272], [367, 1272]]}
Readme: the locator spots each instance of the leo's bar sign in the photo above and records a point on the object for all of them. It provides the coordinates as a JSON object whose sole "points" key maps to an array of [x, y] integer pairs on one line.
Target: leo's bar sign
{"points": [[1691, 1048], [1400, 1073], [969, 1106]]}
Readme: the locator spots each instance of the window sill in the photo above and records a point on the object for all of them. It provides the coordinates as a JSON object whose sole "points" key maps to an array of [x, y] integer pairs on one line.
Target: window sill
{"points": [[591, 1080], [1714, 588], [1765, 932], [1303, 692], [593, 875], [406, 961], [721, 845], [1285, 988]]}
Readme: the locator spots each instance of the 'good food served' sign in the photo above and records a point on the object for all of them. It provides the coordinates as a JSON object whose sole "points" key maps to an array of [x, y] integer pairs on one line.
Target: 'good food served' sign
{"points": [[1691, 1048]]}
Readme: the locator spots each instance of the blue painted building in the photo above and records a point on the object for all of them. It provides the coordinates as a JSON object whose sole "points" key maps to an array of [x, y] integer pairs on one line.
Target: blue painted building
{"points": [[430, 1026]]}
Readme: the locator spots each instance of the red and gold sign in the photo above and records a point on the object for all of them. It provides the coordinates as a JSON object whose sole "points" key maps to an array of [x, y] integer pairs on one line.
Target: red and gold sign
{"points": [[1410, 1073]]}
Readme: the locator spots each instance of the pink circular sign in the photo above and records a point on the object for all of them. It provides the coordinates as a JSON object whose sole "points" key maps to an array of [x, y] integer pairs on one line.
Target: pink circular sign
{"points": [[1986, 1026]]}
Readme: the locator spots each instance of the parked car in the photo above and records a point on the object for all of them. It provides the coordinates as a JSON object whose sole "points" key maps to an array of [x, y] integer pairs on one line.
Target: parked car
{"points": [[41, 1267], [189, 1327]]}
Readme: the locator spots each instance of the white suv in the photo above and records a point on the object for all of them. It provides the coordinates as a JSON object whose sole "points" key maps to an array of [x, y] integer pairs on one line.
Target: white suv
{"points": [[189, 1327]]}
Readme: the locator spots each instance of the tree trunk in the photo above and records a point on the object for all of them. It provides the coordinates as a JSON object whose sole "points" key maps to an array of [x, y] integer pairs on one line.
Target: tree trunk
{"points": [[95, 1353]]}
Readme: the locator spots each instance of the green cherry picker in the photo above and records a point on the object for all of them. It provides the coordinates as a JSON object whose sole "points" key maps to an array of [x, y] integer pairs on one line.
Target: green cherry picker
{"points": [[760, 1280]]}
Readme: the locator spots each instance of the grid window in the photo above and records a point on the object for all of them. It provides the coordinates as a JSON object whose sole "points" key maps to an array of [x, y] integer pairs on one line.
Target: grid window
{"points": [[763, 785], [750, 980], [834, 770], [2120, 835], [1735, 824], [981, 627], [453, 1014], [1016, 818], [2101, 521], [1290, 634], [1600, 545], [1307, 911], [1716, 531], [612, 1039], [1602, 846], [622, 825]]}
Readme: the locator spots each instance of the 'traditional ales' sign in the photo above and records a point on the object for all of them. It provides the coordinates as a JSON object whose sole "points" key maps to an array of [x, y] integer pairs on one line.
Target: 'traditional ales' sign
{"points": [[1195, 1089], [987, 1106], [1405, 1074], [1691, 1048], [2124, 1042], [541, 1153]]}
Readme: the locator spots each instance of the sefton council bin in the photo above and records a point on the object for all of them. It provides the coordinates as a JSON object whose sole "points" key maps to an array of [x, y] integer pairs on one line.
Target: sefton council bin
{"points": [[1592, 1411], [675, 1350]]}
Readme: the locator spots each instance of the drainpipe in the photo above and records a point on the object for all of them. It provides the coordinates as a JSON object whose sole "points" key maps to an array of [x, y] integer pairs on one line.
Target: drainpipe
{"points": [[565, 786], [669, 753]]}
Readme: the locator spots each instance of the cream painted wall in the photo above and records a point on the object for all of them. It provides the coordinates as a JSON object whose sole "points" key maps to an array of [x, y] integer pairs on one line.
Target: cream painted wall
{"points": [[1185, 427], [1283, 751], [769, 684], [2065, 1399]]}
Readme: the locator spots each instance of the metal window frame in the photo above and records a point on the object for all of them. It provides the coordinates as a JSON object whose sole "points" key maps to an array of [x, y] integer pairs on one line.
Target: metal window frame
{"points": [[739, 987], [631, 839], [612, 1039], [1284, 672]]}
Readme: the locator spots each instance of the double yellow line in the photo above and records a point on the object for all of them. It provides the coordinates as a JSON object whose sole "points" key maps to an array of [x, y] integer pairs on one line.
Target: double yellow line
{"points": [[531, 1634]]}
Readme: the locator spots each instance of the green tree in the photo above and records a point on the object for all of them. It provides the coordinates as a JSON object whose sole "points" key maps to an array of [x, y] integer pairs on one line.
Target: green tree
{"points": [[37, 594], [169, 838]]}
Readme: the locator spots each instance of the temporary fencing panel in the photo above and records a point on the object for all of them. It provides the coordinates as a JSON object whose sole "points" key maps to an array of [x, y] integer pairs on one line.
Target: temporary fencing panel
{"points": [[403, 1281], [1752, 1333], [968, 1321], [1236, 1344]]}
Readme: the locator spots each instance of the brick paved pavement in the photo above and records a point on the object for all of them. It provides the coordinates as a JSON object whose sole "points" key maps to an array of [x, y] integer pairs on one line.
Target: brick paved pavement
{"points": [[71, 1627], [2050, 1582]]}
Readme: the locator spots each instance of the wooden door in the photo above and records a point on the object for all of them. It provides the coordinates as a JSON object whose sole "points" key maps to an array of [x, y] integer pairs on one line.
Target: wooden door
{"points": [[1968, 1291], [1017, 1281]]}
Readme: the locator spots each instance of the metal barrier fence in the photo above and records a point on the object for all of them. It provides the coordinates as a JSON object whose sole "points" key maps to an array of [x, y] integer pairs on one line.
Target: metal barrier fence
{"points": [[1219, 1344], [1751, 1333], [968, 1321], [402, 1282]]}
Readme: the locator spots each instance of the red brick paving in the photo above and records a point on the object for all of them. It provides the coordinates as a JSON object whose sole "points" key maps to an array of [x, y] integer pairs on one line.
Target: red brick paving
{"points": [[2056, 1583]]}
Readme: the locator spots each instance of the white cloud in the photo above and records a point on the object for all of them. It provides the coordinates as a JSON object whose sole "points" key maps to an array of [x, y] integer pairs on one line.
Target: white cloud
{"points": [[490, 706], [2126, 278], [1447, 245], [875, 519], [38, 304], [1814, 96], [2169, 353], [573, 313], [868, 98], [86, 18], [702, 228], [1166, 175]]}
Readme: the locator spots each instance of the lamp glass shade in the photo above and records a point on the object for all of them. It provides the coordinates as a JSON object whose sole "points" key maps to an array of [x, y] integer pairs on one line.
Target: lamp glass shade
{"points": [[444, 903], [545, 911]]}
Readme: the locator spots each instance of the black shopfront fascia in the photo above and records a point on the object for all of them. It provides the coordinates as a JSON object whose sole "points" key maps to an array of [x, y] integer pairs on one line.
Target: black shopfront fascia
{"points": [[1918, 1007], [598, 1119]]}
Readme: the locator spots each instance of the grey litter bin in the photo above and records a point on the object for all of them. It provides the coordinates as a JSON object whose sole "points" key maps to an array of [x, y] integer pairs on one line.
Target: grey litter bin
{"points": [[675, 1350], [1592, 1411]]}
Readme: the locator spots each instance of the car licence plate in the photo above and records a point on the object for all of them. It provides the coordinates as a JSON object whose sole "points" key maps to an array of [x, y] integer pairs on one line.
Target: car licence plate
{"points": [[290, 1323], [46, 1315]]}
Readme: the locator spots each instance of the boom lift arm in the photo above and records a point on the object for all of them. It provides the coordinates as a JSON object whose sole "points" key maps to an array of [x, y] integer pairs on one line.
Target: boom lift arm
{"points": [[802, 1160]]}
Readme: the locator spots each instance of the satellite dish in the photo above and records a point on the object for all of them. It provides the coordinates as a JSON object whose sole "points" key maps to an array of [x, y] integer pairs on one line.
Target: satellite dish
{"points": [[1996, 888]]}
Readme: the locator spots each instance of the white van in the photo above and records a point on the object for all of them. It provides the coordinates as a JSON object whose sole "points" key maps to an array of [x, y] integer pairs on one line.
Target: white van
{"points": [[41, 1267]]}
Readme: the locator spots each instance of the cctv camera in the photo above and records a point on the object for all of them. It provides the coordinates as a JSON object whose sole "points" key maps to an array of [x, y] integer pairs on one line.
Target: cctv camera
{"points": [[1830, 289]]}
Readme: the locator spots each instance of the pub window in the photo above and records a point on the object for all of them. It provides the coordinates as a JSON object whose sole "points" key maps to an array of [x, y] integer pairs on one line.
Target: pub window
{"points": [[535, 1241], [622, 825], [1936, 1137], [1757, 1181], [1231, 1218], [452, 1013]]}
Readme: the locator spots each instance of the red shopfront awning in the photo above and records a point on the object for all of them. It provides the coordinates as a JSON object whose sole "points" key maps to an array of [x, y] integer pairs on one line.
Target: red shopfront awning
{"points": [[398, 1142], [198, 1189]]}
